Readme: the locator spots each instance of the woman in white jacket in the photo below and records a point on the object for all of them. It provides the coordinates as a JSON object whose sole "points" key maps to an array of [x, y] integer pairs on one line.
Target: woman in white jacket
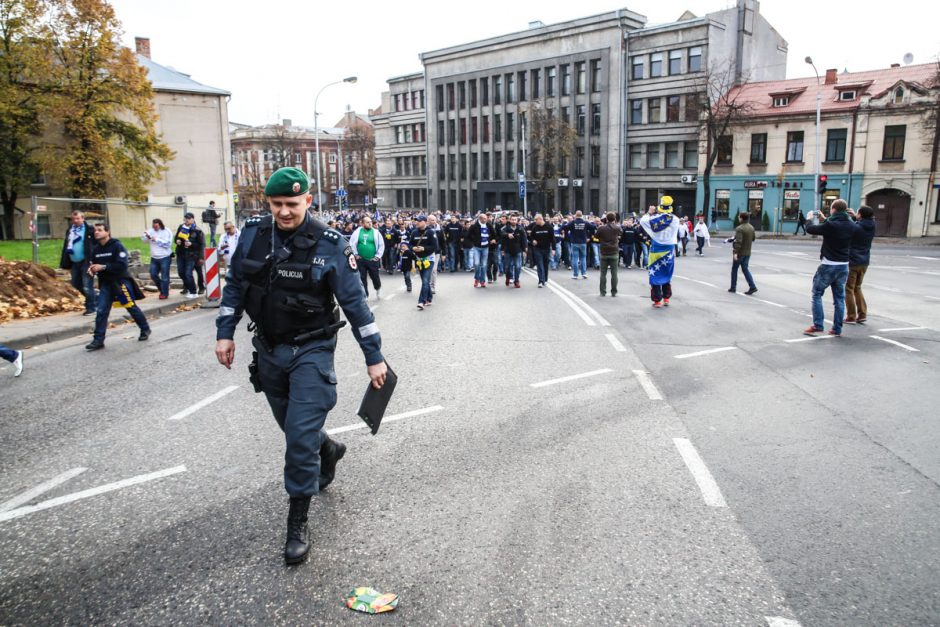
{"points": [[368, 245], [702, 236]]}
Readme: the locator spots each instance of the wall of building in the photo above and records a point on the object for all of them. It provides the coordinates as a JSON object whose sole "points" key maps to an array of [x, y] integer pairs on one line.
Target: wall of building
{"points": [[396, 189]]}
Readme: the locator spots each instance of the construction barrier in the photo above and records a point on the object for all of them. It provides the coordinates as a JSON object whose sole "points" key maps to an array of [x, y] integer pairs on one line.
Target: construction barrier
{"points": [[213, 286]]}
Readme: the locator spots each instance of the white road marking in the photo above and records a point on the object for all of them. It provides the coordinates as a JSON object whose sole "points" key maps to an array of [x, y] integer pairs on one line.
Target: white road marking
{"points": [[84, 494], [696, 281], [647, 384], [811, 338], [770, 302], [206, 401], [557, 288], [881, 287], [904, 346], [707, 352], [573, 377], [42, 488], [620, 348], [901, 329], [925, 258], [706, 483], [932, 297], [779, 621], [387, 419], [570, 303], [390, 296]]}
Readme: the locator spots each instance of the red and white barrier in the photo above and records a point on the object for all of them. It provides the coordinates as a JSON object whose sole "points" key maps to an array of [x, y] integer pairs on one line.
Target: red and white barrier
{"points": [[213, 286]]}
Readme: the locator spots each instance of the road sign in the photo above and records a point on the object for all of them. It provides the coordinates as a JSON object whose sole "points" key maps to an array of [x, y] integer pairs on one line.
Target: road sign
{"points": [[521, 185], [341, 193]]}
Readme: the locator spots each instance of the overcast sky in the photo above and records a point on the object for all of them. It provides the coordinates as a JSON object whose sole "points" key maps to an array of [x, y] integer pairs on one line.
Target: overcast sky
{"points": [[275, 55]]}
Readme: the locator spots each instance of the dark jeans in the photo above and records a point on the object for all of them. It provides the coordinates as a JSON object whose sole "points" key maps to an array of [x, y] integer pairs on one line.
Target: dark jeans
{"points": [[107, 292], [542, 258], [512, 264], [800, 225], [185, 268], [492, 264], [609, 262], [834, 277], [369, 268], [425, 295], [700, 244], [8, 354], [212, 226], [160, 274], [453, 250], [742, 262], [638, 253], [84, 283]]}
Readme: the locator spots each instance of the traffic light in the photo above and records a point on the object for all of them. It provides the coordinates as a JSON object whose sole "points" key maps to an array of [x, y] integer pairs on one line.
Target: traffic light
{"points": [[821, 188]]}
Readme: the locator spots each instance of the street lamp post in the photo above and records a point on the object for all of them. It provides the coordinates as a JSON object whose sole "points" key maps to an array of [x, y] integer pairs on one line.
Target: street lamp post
{"points": [[316, 134], [809, 60]]}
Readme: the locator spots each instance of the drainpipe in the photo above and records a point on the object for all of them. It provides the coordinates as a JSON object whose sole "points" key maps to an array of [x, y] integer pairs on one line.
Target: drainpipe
{"points": [[933, 171], [852, 150], [621, 127]]}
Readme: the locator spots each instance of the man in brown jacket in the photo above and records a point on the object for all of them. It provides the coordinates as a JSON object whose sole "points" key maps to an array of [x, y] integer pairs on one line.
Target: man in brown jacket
{"points": [[609, 237], [744, 236]]}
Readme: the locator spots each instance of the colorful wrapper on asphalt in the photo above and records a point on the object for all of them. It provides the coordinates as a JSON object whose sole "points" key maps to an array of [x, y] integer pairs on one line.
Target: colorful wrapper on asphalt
{"points": [[371, 601], [661, 263]]}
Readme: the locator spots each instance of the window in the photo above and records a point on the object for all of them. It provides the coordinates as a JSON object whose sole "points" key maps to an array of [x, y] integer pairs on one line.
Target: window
{"points": [[441, 167], [409, 135], [636, 112], [407, 164], [894, 143], [463, 167], [580, 78], [566, 115], [899, 96], [579, 161], [451, 132], [835, 144], [693, 107], [486, 166], [595, 75], [332, 158], [595, 201], [795, 146], [656, 65], [759, 148], [565, 80], [453, 167], [695, 59], [473, 93], [453, 199], [675, 62], [595, 161], [550, 74], [497, 164], [473, 166], [633, 199], [439, 92], [654, 108], [637, 68], [486, 128], [781, 101], [690, 155], [652, 155], [595, 119], [497, 128], [398, 169], [580, 117], [672, 154], [450, 96], [424, 166], [462, 94], [522, 86], [497, 89], [636, 156], [484, 91], [510, 88], [441, 200], [400, 197], [791, 204], [722, 204], [725, 149], [510, 165], [847, 94], [463, 130], [672, 108], [536, 83], [510, 127]]}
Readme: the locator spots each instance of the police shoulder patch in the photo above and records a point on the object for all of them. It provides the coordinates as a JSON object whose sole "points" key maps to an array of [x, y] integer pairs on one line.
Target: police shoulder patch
{"points": [[253, 221], [331, 235], [350, 258]]}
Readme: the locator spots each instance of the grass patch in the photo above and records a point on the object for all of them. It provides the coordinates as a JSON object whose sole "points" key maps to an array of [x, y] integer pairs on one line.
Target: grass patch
{"points": [[50, 250]]}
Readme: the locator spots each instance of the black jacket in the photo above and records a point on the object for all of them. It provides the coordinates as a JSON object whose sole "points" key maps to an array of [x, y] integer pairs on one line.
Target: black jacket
{"points": [[197, 250], [837, 232], [513, 245], [428, 239], [542, 237], [474, 234], [89, 243], [113, 256], [860, 252], [452, 232]]}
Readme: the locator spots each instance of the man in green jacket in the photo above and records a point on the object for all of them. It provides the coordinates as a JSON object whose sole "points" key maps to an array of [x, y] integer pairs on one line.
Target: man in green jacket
{"points": [[744, 236]]}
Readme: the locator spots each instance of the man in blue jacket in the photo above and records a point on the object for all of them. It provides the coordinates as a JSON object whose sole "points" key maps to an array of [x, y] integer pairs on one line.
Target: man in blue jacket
{"points": [[856, 309], [579, 233], [76, 257], [833, 271]]}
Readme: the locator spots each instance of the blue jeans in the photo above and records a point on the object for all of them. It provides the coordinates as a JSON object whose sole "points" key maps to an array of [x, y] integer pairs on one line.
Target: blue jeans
{"points": [[185, 268], [84, 283], [742, 262], [513, 265], [452, 256], [541, 257], [596, 248], [557, 258], [499, 259], [479, 272], [160, 274], [579, 259], [425, 295], [468, 256], [834, 277], [106, 296], [646, 254], [8, 354]]}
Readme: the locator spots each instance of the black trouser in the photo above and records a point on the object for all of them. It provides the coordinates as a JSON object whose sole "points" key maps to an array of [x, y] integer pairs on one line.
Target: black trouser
{"points": [[369, 268], [701, 244], [492, 265], [800, 225], [638, 253], [659, 292], [388, 258], [626, 254]]}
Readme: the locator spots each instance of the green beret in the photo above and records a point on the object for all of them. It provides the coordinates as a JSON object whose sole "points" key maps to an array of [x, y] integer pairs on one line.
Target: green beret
{"points": [[287, 182]]}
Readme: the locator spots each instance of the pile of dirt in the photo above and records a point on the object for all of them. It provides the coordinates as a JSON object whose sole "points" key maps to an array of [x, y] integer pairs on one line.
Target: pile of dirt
{"points": [[29, 290]]}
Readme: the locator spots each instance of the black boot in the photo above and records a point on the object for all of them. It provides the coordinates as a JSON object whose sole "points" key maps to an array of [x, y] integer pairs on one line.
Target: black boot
{"points": [[295, 551], [331, 452]]}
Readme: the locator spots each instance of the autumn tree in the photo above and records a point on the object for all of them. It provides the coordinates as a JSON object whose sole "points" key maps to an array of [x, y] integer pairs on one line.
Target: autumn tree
{"points": [[104, 105], [551, 141], [359, 154], [24, 99]]}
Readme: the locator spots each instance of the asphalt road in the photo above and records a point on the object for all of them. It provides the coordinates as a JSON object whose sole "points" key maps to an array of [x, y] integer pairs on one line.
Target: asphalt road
{"points": [[773, 481]]}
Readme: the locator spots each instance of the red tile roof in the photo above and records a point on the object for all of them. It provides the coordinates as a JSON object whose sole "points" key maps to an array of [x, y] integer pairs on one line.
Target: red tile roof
{"points": [[873, 82]]}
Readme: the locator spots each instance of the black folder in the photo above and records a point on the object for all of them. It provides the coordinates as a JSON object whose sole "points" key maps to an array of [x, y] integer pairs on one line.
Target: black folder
{"points": [[374, 402]]}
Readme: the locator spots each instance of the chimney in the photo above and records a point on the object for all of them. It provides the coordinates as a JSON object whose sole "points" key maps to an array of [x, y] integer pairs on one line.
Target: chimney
{"points": [[143, 46], [831, 76], [894, 65]]}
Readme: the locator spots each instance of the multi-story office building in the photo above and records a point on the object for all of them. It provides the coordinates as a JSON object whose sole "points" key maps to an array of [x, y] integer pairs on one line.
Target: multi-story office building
{"points": [[400, 146], [877, 145], [671, 68]]}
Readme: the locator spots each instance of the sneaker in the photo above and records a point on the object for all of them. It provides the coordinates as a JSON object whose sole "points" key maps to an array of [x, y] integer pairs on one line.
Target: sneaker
{"points": [[833, 333], [190, 296], [94, 346], [476, 283], [657, 304], [421, 306], [164, 296], [732, 290], [753, 290], [483, 284], [575, 277], [18, 364], [378, 294], [850, 321], [862, 320], [202, 290], [541, 285], [507, 281], [665, 302], [584, 276], [89, 313], [603, 294], [143, 336], [517, 284], [812, 331], [613, 294]]}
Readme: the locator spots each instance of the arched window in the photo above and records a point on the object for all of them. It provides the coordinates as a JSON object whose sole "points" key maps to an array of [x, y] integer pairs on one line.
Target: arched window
{"points": [[899, 96]]}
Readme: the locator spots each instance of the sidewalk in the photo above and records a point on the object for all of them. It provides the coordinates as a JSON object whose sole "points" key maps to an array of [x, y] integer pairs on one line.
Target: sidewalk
{"points": [[20, 334], [930, 240]]}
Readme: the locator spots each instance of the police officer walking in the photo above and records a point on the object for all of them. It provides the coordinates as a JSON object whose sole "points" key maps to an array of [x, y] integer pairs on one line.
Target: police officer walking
{"points": [[285, 273]]}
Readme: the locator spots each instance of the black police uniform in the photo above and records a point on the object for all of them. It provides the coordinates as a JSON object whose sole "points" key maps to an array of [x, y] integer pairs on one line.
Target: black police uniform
{"points": [[286, 282]]}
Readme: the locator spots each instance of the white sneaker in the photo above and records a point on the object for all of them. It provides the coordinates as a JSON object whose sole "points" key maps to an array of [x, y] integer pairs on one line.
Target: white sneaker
{"points": [[18, 364], [191, 296], [378, 294]]}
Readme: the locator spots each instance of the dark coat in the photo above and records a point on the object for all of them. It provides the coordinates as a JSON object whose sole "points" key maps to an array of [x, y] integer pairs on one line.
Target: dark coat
{"points": [[89, 243], [860, 251]]}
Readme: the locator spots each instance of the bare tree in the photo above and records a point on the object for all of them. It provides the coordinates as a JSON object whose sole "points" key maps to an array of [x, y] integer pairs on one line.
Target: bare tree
{"points": [[359, 155], [931, 125], [551, 141]]}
